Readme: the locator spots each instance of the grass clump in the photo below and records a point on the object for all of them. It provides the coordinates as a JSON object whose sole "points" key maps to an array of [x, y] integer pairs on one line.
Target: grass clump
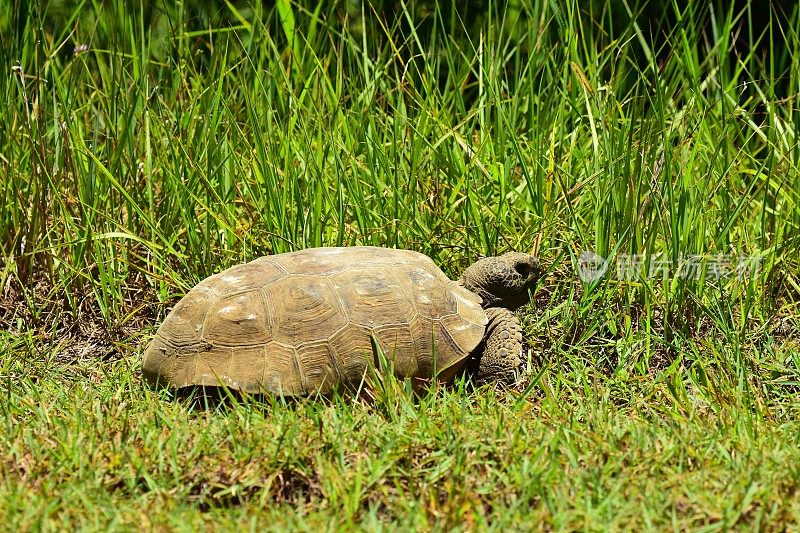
{"points": [[145, 147]]}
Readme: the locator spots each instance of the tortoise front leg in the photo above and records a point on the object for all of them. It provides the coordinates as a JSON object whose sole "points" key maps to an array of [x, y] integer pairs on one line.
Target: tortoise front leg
{"points": [[501, 357]]}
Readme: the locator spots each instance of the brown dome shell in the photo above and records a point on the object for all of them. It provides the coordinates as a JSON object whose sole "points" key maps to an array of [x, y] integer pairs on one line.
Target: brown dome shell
{"points": [[303, 322]]}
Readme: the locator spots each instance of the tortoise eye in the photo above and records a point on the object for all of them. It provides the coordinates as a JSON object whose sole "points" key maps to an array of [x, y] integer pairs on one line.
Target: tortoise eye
{"points": [[522, 269]]}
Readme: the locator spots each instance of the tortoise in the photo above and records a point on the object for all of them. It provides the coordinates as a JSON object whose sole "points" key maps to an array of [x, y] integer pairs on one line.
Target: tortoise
{"points": [[310, 321]]}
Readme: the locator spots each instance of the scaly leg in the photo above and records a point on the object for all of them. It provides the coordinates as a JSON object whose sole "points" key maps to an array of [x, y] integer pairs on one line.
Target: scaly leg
{"points": [[501, 357]]}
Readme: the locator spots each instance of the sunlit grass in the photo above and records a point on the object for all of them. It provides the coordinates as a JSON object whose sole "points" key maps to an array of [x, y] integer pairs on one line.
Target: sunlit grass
{"points": [[144, 148]]}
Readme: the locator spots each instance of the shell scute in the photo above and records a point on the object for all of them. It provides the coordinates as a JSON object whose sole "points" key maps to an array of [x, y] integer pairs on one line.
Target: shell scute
{"points": [[238, 319], [281, 373], [305, 309], [372, 298], [352, 347], [184, 325], [318, 368]]}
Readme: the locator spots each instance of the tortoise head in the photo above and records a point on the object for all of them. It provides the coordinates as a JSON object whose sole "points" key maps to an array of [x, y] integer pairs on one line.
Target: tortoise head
{"points": [[504, 280]]}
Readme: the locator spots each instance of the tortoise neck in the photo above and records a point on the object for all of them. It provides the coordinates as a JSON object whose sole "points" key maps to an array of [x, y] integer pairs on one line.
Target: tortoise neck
{"points": [[487, 298]]}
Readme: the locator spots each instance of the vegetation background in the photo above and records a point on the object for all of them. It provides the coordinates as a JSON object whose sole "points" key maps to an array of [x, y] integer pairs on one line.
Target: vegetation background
{"points": [[146, 145]]}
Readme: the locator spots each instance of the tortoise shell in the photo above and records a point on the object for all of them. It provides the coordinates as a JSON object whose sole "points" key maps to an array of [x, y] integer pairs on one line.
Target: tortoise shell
{"points": [[304, 322]]}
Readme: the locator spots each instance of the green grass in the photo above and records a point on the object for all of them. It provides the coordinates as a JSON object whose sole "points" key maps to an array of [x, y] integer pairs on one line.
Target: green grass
{"points": [[584, 454], [183, 140]]}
